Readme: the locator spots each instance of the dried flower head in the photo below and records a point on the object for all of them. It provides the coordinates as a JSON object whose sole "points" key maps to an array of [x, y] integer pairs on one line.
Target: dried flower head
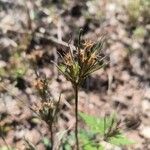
{"points": [[35, 55], [86, 60], [49, 110], [46, 111], [41, 84]]}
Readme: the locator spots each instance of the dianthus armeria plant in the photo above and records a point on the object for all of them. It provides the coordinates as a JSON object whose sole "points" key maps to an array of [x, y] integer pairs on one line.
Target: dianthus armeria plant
{"points": [[78, 64]]}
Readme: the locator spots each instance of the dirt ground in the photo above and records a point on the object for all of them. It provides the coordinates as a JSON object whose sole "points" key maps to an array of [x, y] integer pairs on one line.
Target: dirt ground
{"points": [[34, 31]]}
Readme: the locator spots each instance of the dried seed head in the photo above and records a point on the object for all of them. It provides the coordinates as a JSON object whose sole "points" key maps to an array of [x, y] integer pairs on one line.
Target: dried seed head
{"points": [[35, 55], [76, 67], [39, 84], [47, 111], [49, 105], [46, 107], [88, 44], [68, 59], [92, 59], [82, 55]]}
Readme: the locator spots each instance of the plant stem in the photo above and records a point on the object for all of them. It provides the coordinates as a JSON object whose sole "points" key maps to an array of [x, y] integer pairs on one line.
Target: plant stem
{"points": [[51, 134], [76, 116]]}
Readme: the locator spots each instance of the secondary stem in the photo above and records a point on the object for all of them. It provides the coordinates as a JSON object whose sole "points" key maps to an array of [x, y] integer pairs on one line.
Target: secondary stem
{"points": [[76, 116], [51, 134]]}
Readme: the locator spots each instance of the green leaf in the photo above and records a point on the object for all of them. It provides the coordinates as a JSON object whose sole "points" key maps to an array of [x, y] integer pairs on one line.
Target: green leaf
{"points": [[85, 136], [68, 141], [97, 125], [46, 142], [62, 67], [91, 147], [63, 70], [19, 72], [67, 146], [88, 143], [102, 126], [120, 140], [101, 147]]}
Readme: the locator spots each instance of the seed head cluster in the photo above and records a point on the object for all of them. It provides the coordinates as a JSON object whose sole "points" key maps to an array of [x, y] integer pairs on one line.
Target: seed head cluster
{"points": [[86, 60], [48, 111]]}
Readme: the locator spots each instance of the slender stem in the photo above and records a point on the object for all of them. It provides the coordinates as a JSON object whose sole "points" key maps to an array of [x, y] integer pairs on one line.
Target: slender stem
{"points": [[76, 116], [51, 134]]}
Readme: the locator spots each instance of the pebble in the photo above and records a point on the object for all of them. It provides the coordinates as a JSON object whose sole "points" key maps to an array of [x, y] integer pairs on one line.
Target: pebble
{"points": [[147, 93], [33, 136], [145, 132], [146, 107], [2, 64]]}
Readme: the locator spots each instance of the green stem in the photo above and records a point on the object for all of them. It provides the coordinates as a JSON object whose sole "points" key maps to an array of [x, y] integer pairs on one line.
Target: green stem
{"points": [[76, 116]]}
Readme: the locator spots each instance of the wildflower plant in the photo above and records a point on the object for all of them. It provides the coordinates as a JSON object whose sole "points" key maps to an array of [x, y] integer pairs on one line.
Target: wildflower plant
{"points": [[86, 60], [76, 66], [48, 109]]}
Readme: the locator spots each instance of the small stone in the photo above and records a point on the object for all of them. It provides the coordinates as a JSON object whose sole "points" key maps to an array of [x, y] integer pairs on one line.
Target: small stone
{"points": [[146, 107], [147, 93], [21, 144], [125, 76], [135, 45], [2, 64], [2, 106], [40, 147], [19, 134], [12, 107], [33, 136], [109, 146], [118, 53], [145, 132]]}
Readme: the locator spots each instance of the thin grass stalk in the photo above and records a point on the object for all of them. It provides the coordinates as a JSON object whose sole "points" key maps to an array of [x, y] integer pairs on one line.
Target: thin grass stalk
{"points": [[76, 116], [51, 134]]}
